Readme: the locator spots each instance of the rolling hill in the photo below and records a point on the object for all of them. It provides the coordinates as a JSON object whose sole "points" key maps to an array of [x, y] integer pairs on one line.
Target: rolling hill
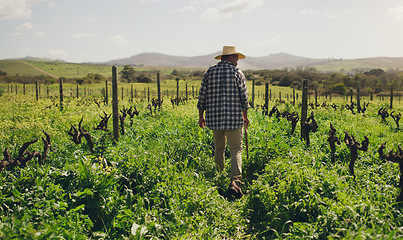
{"points": [[272, 61]]}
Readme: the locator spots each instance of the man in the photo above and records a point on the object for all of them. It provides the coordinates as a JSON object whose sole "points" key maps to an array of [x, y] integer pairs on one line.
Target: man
{"points": [[224, 98]]}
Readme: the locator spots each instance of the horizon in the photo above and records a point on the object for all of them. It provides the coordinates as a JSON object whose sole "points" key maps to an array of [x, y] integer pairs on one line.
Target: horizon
{"points": [[313, 29], [97, 62]]}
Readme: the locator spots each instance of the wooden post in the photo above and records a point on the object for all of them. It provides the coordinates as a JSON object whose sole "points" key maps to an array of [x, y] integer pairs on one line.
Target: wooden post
{"points": [[279, 96], [122, 93], [106, 92], [391, 98], [304, 109], [253, 92], [358, 97], [24, 88], [115, 104], [131, 92], [61, 93], [316, 96], [37, 90], [266, 100], [47, 91], [351, 95], [148, 95], [159, 87], [177, 88], [293, 97], [186, 92]]}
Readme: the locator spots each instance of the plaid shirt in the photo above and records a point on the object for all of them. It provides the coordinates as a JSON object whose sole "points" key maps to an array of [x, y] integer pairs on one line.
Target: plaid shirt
{"points": [[223, 95]]}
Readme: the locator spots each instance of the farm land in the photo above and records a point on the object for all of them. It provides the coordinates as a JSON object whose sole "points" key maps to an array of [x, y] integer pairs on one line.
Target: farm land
{"points": [[158, 180]]}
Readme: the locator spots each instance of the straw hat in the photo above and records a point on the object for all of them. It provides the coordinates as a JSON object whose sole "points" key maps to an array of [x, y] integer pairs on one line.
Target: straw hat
{"points": [[229, 50]]}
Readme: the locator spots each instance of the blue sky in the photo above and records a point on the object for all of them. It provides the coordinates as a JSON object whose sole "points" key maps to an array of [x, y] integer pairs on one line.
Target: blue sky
{"points": [[102, 30]]}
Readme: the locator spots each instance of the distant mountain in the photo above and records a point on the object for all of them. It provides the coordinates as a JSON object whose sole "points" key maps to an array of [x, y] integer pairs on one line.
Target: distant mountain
{"points": [[163, 60], [30, 58], [273, 61]]}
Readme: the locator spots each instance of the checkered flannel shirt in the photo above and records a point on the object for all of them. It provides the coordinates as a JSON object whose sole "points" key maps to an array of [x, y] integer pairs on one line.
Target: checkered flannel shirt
{"points": [[223, 95]]}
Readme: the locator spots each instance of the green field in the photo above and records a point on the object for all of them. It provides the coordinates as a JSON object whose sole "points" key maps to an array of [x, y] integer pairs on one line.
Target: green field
{"points": [[72, 70], [158, 181]]}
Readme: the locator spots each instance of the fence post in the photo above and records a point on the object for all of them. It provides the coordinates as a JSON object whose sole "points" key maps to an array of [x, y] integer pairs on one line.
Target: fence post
{"points": [[24, 88], [131, 92], [115, 105], [106, 100], [177, 88], [61, 93], [293, 97], [37, 90], [304, 109], [266, 100], [351, 95], [391, 98], [253, 92], [159, 88], [358, 97], [186, 92]]}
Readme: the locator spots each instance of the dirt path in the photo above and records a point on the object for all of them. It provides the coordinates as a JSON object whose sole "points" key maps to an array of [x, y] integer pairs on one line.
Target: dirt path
{"points": [[41, 70]]}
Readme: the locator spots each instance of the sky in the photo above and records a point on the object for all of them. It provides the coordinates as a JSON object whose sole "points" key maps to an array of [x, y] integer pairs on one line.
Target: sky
{"points": [[102, 30]]}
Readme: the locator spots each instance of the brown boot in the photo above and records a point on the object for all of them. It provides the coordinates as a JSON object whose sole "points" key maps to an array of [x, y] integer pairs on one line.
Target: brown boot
{"points": [[235, 190]]}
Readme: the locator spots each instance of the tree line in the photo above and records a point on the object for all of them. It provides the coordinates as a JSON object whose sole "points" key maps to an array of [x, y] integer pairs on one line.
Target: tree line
{"points": [[376, 81]]}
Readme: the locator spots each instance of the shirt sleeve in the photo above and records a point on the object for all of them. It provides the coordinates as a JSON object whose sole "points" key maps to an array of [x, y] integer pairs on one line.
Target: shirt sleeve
{"points": [[243, 90], [201, 104]]}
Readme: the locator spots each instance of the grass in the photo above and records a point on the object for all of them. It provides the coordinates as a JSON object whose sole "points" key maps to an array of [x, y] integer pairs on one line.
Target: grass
{"points": [[74, 70], [159, 180]]}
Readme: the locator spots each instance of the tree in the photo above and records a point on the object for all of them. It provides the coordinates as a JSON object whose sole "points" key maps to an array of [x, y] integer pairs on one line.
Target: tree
{"points": [[144, 79], [338, 88], [175, 73], [128, 73]]}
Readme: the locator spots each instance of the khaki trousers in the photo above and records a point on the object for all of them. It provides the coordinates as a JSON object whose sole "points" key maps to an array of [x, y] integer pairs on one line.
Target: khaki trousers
{"points": [[234, 139]]}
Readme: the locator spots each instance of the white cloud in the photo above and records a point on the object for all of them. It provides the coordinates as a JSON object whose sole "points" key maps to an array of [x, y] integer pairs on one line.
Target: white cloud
{"points": [[16, 34], [26, 51], [25, 26], [142, 1], [309, 12], [118, 39], [91, 19], [268, 42], [52, 5], [17, 9], [57, 53], [39, 34], [227, 8], [326, 13], [83, 35], [190, 9], [397, 12]]}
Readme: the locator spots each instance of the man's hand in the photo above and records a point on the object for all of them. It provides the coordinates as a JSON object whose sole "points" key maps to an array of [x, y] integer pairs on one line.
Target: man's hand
{"points": [[202, 122], [245, 123]]}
